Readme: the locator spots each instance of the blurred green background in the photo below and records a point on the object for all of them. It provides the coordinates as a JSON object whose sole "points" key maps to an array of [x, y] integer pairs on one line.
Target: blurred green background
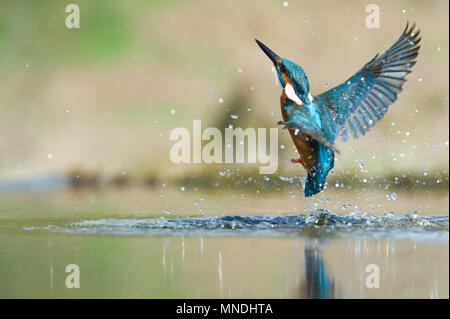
{"points": [[99, 99]]}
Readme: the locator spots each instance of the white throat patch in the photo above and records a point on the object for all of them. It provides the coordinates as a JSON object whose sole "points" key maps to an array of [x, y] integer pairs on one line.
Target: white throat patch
{"points": [[275, 73], [290, 93]]}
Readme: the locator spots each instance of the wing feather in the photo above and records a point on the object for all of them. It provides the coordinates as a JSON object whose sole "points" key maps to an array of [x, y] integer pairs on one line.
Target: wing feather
{"points": [[361, 101]]}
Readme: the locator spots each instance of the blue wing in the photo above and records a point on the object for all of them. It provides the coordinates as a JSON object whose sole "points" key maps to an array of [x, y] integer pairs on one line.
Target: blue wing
{"points": [[360, 102], [302, 120]]}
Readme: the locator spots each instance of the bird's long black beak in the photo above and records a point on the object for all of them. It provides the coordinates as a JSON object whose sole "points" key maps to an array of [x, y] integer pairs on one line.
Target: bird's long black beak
{"points": [[272, 55]]}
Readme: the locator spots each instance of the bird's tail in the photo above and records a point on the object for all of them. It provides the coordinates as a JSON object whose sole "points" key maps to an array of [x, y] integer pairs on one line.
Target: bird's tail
{"points": [[315, 181]]}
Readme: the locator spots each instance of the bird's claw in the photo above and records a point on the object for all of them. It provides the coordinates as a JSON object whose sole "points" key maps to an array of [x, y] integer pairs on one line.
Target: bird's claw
{"points": [[298, 160]]}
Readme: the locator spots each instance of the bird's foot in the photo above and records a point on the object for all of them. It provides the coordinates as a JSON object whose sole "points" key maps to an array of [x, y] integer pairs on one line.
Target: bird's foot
{"points": [[298, 160]]}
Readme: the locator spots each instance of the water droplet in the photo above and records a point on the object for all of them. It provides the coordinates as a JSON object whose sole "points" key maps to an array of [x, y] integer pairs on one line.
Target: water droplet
{"points": [[182, 188], [394, 196], [234, 116], [172, 111], [285, 4], [361, 163], [220, 100], [50, 156]]}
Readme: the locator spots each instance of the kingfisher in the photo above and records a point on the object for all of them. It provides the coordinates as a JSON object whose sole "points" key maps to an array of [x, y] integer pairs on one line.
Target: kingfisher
{"points": [[351, 108]]}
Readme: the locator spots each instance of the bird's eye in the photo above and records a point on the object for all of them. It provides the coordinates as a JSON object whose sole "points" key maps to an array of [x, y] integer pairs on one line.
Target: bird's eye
{"points": [[282, 68]]}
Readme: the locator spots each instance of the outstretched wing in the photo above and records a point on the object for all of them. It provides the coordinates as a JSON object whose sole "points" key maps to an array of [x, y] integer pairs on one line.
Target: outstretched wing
{"points": [[360, 102]]}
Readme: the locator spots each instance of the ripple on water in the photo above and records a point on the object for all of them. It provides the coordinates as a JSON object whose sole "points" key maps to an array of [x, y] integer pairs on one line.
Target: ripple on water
{"points": [[319, 222]]}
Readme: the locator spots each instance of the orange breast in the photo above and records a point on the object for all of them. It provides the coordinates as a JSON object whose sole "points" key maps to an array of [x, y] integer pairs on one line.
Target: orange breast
{"points": [[301, 141]]}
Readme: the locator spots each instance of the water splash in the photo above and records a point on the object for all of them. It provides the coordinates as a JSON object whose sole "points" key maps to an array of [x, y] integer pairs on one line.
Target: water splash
{"points": [[320, 222]]}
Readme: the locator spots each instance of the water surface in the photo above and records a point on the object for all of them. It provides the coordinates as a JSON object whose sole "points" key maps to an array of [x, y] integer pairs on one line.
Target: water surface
{"points": [[132, 244]]}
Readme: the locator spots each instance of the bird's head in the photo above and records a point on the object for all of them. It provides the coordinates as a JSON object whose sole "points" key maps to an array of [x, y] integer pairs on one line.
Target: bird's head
{"points": [[290, 76]]}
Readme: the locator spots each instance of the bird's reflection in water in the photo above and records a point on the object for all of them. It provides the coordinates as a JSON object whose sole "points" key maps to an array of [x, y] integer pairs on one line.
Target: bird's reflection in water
{"points": [[317, 283]]}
